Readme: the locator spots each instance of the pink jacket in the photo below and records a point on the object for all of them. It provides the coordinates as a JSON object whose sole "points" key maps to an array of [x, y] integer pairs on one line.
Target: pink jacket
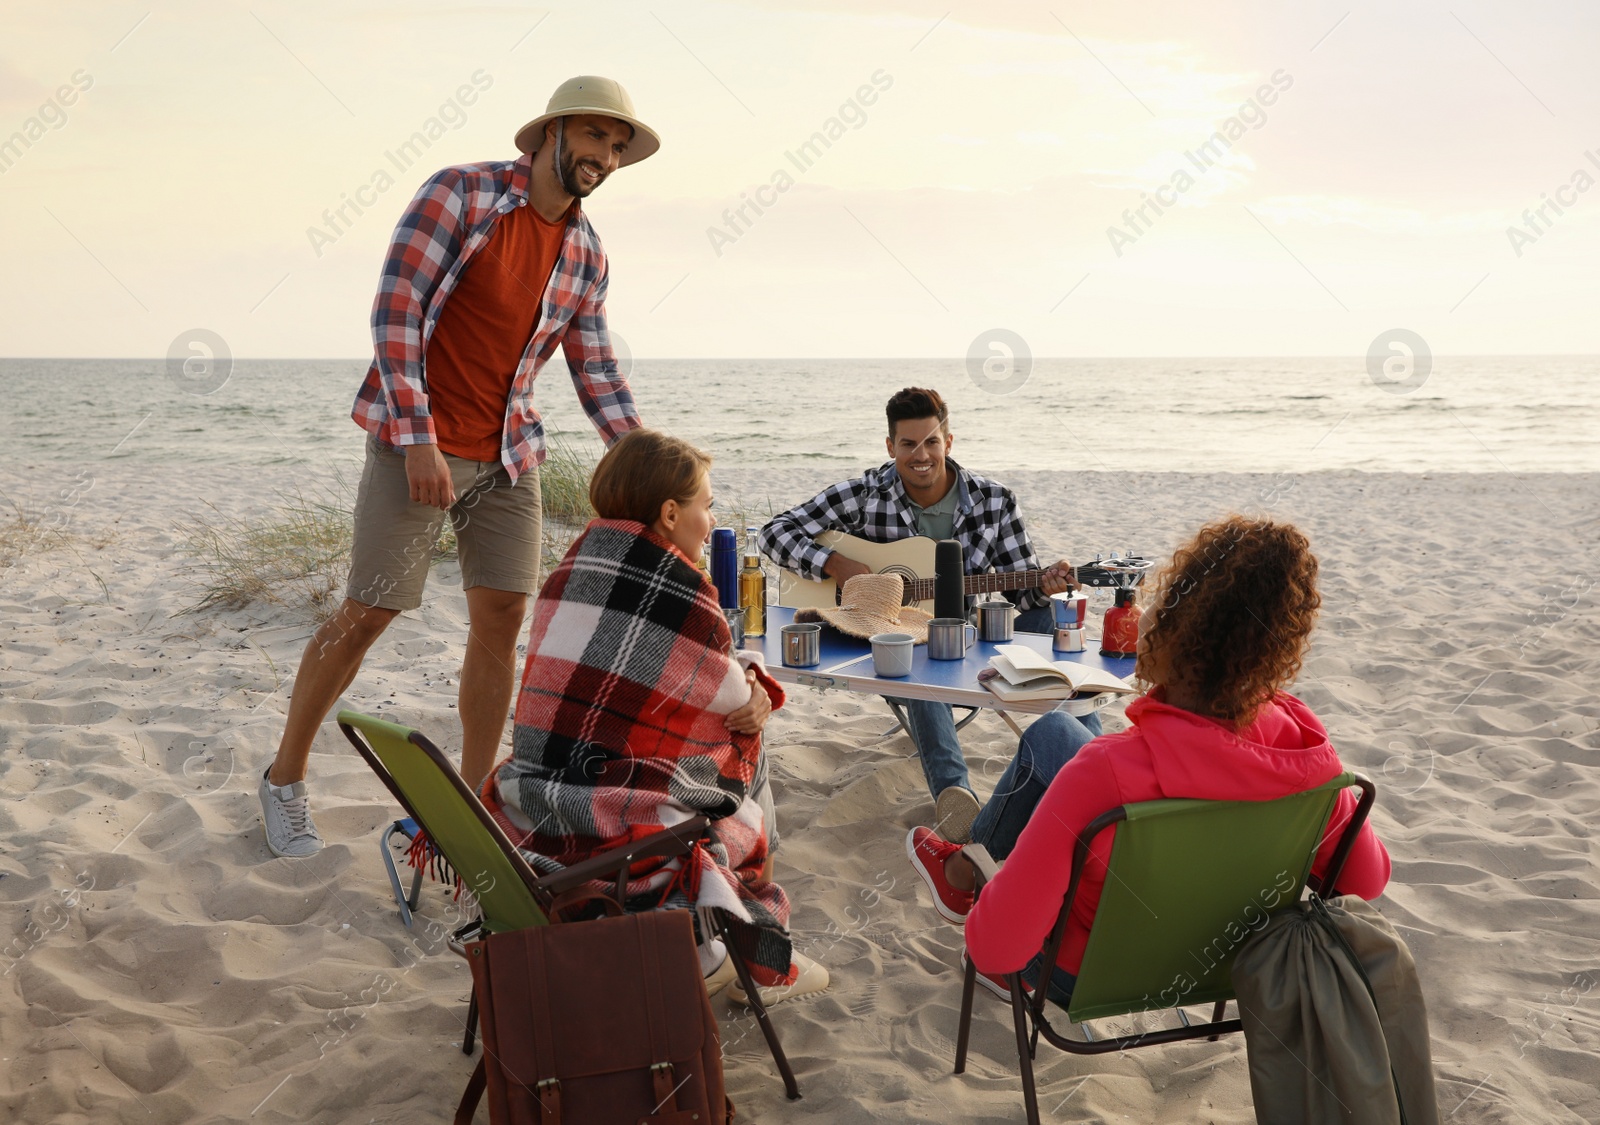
{"points": [[1167, 752]]}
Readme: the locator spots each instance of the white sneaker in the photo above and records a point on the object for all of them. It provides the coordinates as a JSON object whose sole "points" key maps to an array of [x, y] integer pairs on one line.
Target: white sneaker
{"points": [[725, 974], [715, 965], [811, 979], [286, 811]]}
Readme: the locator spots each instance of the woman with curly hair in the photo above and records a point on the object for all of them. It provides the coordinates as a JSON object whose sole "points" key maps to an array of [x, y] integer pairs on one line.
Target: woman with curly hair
{"points": [[1229, 625]]}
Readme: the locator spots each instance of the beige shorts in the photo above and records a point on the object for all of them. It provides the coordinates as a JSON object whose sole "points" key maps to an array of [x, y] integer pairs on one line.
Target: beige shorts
{"points": [[498, 530]]}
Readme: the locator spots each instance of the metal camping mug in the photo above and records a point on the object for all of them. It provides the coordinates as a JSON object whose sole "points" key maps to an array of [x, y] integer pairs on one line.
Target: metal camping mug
{"points": [[995, 620], [802, 645], [735, 626], [948, 638]]}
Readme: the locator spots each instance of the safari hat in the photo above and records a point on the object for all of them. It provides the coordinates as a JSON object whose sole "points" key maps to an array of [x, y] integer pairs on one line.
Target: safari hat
{"points": [[589, 93], [869, 605]]}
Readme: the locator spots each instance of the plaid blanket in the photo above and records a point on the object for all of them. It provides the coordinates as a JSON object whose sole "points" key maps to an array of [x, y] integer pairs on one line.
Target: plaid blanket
{"points": [[619, 734]]}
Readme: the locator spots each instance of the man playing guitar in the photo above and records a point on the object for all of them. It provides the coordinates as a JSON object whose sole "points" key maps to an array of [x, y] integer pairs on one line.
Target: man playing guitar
{"points": [[924, 492]]}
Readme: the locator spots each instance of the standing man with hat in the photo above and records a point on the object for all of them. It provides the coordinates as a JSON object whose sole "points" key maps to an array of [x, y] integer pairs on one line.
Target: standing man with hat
{"points": [[490, 268]]}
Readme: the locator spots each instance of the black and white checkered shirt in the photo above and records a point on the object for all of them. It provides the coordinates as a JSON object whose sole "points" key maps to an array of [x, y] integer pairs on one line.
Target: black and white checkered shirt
{"points": [[874, 506]]}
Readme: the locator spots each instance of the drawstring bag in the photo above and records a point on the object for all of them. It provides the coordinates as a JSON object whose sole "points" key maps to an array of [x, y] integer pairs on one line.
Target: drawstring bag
{"points": [[1334, 1022]]}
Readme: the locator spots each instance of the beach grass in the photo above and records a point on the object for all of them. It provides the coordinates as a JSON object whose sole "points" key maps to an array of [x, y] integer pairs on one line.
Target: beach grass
{"points": [[298, 556], [29, 529], [743, 513], [564, 495], [24, 530], [564, 480]]}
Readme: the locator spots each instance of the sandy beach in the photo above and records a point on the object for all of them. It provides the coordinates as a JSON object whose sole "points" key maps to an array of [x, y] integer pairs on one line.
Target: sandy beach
{"points": [[160, 966]]}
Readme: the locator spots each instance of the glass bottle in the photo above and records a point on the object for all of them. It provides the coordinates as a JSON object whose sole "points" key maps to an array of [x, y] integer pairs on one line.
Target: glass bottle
{"points": [[753, 586]]}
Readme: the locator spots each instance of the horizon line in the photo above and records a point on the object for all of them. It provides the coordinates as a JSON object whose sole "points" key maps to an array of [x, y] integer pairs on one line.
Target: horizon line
{"points": [[861, 358]]}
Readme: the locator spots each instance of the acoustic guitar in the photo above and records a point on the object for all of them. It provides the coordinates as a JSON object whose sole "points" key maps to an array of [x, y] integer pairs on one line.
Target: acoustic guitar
{"points": [[912, 559]]}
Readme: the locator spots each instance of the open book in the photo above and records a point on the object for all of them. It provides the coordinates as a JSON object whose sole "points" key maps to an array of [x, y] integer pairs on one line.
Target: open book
{"points": [[1025, 674]]}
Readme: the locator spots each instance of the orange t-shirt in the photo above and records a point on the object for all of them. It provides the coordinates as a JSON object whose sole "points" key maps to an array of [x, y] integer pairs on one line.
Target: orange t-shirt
{"points": [[487, 322]]}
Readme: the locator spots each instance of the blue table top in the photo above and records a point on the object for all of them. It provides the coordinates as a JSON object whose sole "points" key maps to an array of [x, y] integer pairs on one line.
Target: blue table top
{"points": [[847, 663]]}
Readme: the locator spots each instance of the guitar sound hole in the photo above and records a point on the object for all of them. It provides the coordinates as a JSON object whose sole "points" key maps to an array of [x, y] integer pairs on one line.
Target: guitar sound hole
{"points": [[908, 576]]}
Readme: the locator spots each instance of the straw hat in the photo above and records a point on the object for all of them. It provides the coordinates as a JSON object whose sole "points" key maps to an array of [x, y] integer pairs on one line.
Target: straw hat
{"points": [[871, 604], [589, 93]]}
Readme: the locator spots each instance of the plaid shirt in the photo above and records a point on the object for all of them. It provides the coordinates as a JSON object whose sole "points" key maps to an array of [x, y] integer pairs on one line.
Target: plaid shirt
{"points": [[874, 506], [452, 217]]}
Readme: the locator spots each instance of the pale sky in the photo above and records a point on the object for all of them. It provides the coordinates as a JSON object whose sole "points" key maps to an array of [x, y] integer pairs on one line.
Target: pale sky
{"points": [[204, 139]]}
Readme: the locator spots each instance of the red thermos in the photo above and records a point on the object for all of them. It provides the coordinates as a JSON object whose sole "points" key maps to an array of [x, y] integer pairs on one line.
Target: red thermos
{"points": [[1120, 637]]}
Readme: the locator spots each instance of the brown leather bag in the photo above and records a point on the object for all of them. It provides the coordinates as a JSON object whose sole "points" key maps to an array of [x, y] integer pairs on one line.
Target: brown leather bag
{"points": [[604, 1022]]}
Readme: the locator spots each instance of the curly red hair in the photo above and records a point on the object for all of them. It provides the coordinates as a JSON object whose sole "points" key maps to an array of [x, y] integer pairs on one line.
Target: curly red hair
{"points": [[1231, 616]]}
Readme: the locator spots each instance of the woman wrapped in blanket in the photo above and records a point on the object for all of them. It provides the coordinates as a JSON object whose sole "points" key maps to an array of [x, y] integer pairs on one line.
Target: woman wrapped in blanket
{"points": [[635, 714]]}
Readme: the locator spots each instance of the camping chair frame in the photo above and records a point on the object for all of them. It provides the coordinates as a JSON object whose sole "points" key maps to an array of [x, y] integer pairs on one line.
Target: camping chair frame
{"points": [[1028, 1010], [406, 901], [612, 865]]}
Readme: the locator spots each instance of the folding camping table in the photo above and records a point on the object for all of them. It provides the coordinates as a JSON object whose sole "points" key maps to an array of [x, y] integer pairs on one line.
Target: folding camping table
{"points": [[847, 664]]}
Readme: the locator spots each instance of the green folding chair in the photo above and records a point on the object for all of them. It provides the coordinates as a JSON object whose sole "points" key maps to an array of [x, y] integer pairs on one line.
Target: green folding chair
{"points": [[509, 894], [1187, 882]]}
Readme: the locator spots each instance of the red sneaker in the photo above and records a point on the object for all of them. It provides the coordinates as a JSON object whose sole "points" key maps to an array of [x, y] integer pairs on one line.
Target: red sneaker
{"points": [[996, 984], [928, 853]]}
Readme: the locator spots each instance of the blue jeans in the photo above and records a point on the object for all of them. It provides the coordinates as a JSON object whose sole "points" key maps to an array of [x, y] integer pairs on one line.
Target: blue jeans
{"points": [[1048, 745], [933, 728], [1061, 982]]}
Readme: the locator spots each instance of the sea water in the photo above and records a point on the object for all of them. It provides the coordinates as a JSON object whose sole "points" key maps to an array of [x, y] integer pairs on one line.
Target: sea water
{"points": [[1484, 414]]}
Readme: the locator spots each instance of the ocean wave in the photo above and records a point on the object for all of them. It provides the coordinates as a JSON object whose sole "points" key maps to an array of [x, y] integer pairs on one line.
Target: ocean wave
{"points": [[1227, 415]]}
